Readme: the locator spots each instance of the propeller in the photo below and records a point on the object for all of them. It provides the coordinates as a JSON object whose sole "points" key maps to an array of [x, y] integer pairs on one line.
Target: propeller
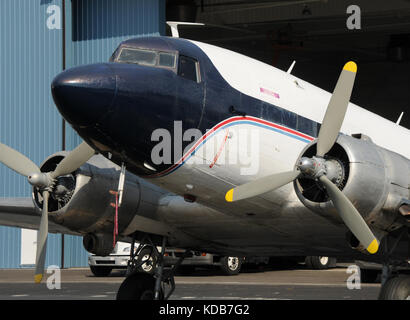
{"points": [[317, 166], [45, 181], [42, 240]]}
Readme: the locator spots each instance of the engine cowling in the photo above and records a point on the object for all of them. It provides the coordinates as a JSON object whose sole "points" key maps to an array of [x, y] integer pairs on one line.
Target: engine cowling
{"points": [[375, 180], [81, 201]]}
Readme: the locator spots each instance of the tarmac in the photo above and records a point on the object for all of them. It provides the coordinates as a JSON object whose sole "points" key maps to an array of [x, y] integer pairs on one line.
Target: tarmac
{"points": [[292, 283]]}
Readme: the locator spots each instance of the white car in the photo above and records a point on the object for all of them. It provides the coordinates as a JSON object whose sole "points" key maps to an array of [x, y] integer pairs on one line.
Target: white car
{"points": [[118, 259]]}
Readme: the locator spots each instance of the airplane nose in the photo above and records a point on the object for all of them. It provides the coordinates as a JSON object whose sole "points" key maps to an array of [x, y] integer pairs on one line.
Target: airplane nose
{"points": [[84, 94]]}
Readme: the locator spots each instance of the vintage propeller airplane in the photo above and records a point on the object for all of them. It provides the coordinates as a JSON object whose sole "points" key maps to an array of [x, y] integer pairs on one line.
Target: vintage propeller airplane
{"points": [[331, 178]]}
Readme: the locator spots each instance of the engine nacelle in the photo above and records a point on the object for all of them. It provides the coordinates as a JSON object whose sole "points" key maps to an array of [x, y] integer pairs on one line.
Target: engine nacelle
{"points": [[81, 201], [375, 180]]}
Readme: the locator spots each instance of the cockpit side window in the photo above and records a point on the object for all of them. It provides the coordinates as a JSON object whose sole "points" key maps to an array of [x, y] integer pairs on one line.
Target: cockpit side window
{"points": [[167, 59], [189, 68]]}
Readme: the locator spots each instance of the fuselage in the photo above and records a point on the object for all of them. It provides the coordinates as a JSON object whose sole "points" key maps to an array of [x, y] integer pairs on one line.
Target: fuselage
{"points": [[241, 107]]}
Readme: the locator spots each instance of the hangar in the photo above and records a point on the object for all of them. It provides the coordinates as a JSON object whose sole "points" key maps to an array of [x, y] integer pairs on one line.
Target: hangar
{"points": [[39, 39], [42, 37], [315, 34]]}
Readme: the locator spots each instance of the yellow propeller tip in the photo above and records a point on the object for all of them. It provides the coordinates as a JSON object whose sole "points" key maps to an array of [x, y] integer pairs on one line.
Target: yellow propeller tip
{"points": [[229, 196], [373, 247], [38, 278], [350, 66]]}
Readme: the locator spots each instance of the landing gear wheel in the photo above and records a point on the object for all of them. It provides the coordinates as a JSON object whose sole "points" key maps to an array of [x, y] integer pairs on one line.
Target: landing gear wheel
{"points": [[137, 286], [142, 285], [320, 262], [396, 288], [100, 271], [231, 265], [147, 254]]}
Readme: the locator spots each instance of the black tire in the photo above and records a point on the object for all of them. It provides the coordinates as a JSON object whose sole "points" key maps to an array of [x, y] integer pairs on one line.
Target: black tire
{"points": [[137, 286], [231, 265], [320, 262], [396, 288], [144, 254], [100, 271], [369, 275]]}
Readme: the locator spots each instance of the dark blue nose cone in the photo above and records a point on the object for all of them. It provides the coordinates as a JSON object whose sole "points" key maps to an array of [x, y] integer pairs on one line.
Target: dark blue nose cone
{"points": [[84, 94]]}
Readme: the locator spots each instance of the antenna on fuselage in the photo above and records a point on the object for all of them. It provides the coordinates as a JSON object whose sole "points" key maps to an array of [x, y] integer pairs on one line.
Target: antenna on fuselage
{"points": [[400, 118], [291, 67], [174, 26]]}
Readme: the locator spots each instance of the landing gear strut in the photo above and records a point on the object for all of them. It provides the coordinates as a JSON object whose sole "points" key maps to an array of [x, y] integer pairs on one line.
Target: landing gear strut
{"points": [[148, 286], [395, 286], [144, 258]]}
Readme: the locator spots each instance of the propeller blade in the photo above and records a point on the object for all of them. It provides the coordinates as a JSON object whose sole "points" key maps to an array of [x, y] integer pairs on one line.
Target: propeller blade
{"points": [[73, 160], [17, 161], [42, 241], [336, 110], [351, 217], [260, 186]]}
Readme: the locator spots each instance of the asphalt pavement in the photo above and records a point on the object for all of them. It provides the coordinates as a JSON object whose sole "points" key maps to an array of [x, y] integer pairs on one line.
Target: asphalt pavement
{"points": [[292, 283]]}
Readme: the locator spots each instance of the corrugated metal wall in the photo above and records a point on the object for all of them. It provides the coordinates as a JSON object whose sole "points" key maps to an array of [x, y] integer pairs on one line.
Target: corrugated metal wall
{"points": [[10, 247], [74, 253], [31, 55]]}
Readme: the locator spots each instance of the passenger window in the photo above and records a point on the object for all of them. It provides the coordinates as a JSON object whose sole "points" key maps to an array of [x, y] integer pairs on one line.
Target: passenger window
{"points": [[188, 68]]}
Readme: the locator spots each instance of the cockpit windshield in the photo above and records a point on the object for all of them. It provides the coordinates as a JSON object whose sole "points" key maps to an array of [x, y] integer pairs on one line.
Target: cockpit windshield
{"points": [[147, 57]]}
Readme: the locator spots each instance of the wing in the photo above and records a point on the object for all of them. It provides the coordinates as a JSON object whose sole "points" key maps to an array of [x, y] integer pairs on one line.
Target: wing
{"points": [[21, 213]]}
